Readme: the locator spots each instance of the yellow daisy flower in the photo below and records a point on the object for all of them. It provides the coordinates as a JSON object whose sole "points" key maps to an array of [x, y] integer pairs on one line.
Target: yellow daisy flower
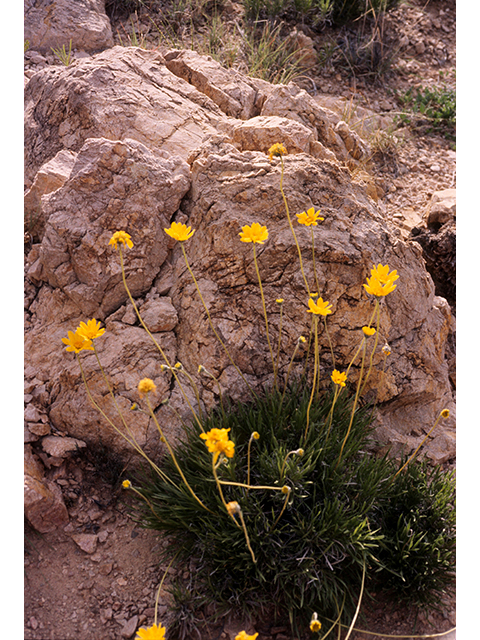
{"points": [[255, 233], [77, 342], [179, 231], [369, 331], [90, 330], [244, 636], [309, 218], [146, 385], [121, 237], [151, 633], [277, 150], [319, 308], [217, 442], [339, 378]]}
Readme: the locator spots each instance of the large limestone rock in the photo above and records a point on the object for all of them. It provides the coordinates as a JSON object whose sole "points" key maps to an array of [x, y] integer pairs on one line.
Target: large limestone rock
{"points": [[53, 23], [151, 148]]}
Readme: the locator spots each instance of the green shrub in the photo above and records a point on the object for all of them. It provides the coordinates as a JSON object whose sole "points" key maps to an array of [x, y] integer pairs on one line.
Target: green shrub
{"points": [[339, 520], [433, 110]]}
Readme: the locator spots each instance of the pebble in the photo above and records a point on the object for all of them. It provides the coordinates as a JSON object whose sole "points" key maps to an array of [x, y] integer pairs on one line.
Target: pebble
{"points": [[129, 628]]}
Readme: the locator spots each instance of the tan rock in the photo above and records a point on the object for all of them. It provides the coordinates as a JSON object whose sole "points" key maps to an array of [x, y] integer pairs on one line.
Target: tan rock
{"points": [[49, 178], [61, 447], [237, 95], [86, 541], [112, 186], [442, 208], [124, 92], [51, 24], [261, 132], [43, 502]]}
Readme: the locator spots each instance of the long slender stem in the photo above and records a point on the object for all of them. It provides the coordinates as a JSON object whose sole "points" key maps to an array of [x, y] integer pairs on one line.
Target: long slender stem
{"points": [[278, 345], [329, 341], [314, 378], [152, 338], [210, 320], [417, 449], [354, 405], [214, 468], [313, 261], [265, 314], [161, 584], [291, 227], [171, 452], [377, 311], [133, 443], [285, 502], [359, 603]]}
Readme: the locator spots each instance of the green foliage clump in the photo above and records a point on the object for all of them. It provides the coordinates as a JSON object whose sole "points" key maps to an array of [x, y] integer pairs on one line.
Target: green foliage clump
{"points": [[313, 546], [434, 110]]}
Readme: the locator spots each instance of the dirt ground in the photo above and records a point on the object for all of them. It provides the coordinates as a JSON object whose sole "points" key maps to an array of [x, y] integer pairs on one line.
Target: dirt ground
{"points": [[97, 578]]}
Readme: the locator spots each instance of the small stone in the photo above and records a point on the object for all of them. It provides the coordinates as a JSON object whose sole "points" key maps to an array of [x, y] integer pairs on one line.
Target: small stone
{"points": [[86, 541], [130, 627]]}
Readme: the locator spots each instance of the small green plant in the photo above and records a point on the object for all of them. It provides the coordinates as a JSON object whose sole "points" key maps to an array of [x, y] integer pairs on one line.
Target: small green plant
{"points": [[430, 109], [63, 55], [268, 55], [26, 46]]}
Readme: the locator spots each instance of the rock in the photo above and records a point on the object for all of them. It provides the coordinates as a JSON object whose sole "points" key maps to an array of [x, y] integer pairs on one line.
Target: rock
{"points": [[61, 447], [52, 23], [159, 315], [261, 132], [119, 94], [124, 92], [237, 95], [302, 48], [44, 507], [440, 249], [49, 178], [109, 183], [442, 208], [129, 627], [86, 541], [151, 148]]}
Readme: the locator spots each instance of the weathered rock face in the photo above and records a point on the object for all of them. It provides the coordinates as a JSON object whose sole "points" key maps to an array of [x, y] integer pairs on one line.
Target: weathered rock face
{"points": [[150, 148], [48, 21]]}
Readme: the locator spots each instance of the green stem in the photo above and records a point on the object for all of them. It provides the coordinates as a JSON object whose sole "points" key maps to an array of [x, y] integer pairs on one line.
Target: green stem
{"points": [[285, 502], [358, 605], [278, 346], [160, 586], [265, 315], [313, 261]]}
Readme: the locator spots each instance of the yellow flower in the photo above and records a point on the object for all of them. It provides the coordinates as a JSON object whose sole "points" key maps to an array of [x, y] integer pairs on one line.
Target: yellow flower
{"points": [[445, 413], [339, 378], [381, 281], [244, 636], [152, 633], [382, 274], [286, 490], [126, 484], [278, 150], [77, 342], [121, 237], [256, 233], [369, 331], [90, 330], [146, 385], [179, 231], [255, 435], [319, 308], [301, 339], [309, 218], [386, 349], [217, 442], [315, 624], [279, 300], [233, 508]]}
